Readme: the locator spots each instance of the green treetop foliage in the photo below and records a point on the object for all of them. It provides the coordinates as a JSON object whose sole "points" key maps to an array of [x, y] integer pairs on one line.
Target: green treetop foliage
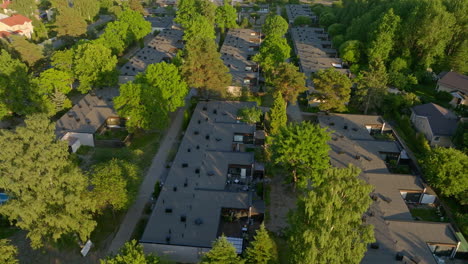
{"points": [[135, 5], [446, 169], [94, 66], [399, 75], [53, 85], [29, 52], [383, 37], [350, 51], [327, 225], [110, 182], [8, 252], [131, 253], [277, 115], [148, 100], [203, 68], [70, 23], [116, 37], [327, 19], [187, 10], [289, 81], [49, 195], [302, 21], [17, 95], [222, 252], [88, 9], [262, 250], [63, 60], [371, 88], [24, 7], [226, 16], [137, 25], [333, 89], [275, 26], [273, 51], [303, 150], [250, 115], [40, 31], [199, 28], [336, 29]]}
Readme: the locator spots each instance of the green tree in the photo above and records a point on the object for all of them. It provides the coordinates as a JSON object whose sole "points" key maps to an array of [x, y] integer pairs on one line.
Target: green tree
{"points": [[250, 115], [262, 250], [350, 51], [135, 5], [111, 181], [53, 85], [399, 74], [275, 26], [151, 97], [186, 10], [371, 87], [70, 23], [445, 169], [116, 37], [88, 9], [302, 21], [63, 60], [289, 81], [203, 68], [226, 16], [132, 253], [273, 52], [94, 66], [29, 52], [49, 195], [328, 220], [327, 19], [333, 89], [8, 252], [199, 28], [277, 115], [25, 7], [301, 149], [336, 29], [383, 37], [40, 31], [138, 27], [221, 252]]}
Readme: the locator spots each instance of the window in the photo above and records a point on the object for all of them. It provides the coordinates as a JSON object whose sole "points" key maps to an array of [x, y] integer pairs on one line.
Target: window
{"points": [[436, 139], [238, 138]]}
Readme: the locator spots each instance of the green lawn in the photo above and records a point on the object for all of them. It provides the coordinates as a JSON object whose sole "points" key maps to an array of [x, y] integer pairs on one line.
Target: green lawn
{"points": [[427, 214]]}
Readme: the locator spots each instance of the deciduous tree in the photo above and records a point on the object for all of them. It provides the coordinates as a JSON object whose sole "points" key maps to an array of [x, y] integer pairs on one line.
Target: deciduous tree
{"points": [[88, 9], [350, 51], [29, 52], [49, 195], [226, 16], [289, 81], [222, 252], [116, 37], [131, 252], [262, 250], [371, 87], [446, 169], [8, 252], [137, 25], [333, 89], [250, 115], [275, 26], [383, 37], [327, 225], [301, 149], [273, 51], [69, 22], [53, 86], [277, 115], [24, 7]]}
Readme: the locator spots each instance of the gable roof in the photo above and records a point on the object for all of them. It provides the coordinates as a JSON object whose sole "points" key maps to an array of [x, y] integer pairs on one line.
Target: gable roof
{"points": [[442, 121], [455, 81], [5, 4], [15, 20]]}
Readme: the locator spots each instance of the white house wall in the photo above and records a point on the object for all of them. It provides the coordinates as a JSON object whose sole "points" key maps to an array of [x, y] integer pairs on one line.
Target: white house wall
{"points": [[85, 139]]}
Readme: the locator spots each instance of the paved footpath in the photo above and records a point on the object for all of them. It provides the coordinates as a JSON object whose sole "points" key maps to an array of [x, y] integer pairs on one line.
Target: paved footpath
{"points": [[158, 166]]}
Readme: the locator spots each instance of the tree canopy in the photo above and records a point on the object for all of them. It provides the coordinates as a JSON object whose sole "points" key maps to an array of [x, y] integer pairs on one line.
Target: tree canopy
{"points": [[151, 97], [49, 195], [333, 89], [29, 52], [327, 225], [250, 115], [446, 169], [277, 115], [53, 86], [371, 88], [8, 252], [70, 23], [301, 149], [289, 81], [132, 253], [222, 252], [275, 26], [88, 9], [262, 250], [226, 16]]}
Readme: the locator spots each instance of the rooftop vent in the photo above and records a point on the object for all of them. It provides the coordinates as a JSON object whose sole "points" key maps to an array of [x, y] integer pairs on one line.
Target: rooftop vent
{"points": [[168, 239], [207, 137], [80, 106], [204, 108], [88, 121], [198, 221], [184, 165], [175, 188], [183, 218], [197, 170], [198, 146], [189, 150], [70, 113], [77, 119], [168, 210], [199, 121], [215, 111], [185, 183], [375, 245], [93, 94], [195, 132], [210, 173], [399, 256]]}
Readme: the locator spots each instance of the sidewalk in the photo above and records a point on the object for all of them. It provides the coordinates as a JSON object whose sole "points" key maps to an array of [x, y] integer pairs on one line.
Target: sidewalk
{"points": [[146, 188]]}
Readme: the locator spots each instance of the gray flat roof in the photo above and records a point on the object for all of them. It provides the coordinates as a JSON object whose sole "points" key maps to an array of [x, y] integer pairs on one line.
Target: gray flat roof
{"points": [[196, 183], [238, 46], [161, 22], [89, 114], [164, 46], [394, 228], [294, 11]]}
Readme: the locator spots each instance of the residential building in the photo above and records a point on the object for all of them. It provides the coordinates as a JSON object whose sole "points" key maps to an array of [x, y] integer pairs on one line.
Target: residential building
{"points": [[399, 235], [16, 24], [436, 123], [160, 23], [4, 5], [295, 11], [457, 85], [163, 47], [239, 47], [90, 115], [210, 182]]}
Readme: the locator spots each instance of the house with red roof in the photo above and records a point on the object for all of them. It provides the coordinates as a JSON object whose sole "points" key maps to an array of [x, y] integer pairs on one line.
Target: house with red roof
{"points": [[16, 24]]}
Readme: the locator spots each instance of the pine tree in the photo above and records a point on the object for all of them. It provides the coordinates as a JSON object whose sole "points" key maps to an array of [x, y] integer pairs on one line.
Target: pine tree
{"points": [[277, 115], [222, 252], [333, 89], [131, 253], [262, 250], [289, 81], [327, 225], [49, 195]]}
